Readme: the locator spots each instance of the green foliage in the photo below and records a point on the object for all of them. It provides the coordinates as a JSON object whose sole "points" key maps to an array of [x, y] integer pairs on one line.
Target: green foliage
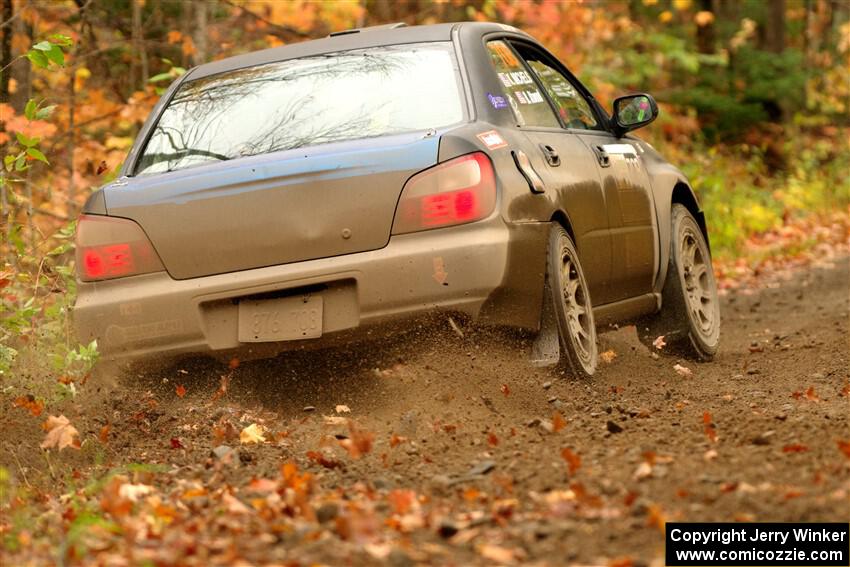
{"points": [[43, 53], [742, 197], [38, 280], [173, 72]]}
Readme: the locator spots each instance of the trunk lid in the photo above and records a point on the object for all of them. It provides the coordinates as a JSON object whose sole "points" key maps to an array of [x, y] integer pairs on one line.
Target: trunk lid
{"points": [[276, 208]]}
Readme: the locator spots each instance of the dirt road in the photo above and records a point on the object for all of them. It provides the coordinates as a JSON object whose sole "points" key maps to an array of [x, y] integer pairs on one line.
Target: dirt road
{"points": [[471, 456]]}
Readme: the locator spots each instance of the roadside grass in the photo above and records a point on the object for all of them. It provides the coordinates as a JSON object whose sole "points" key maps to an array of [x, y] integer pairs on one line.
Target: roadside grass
{"points": [[744, 196]]}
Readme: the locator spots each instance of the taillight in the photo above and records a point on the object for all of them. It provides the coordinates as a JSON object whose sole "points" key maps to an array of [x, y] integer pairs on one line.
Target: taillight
{"points": [[456, 192], [109, 247]]}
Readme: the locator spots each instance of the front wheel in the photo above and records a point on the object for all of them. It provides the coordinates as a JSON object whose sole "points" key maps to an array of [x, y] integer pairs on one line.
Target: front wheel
{"points": [[571, 301], [689, 318]]}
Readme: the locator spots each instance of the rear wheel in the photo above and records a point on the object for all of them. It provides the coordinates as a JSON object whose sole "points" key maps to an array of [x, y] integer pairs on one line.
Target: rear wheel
{"points": [[571, 302], [689, 318]]}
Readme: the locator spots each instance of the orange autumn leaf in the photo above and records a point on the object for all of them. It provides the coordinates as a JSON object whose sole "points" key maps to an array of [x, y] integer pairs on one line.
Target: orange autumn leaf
{"points": [[188, 47], [572, 459], [396, 440], [844, 447], [321, 459], [359, 441], [28, 402], [655, 517], [401, 501], [174, 36], [103, 436], [112, 501], [794, 448], [710, 429], [505, 390], [222, 389], [30, 128], [811, 396], [492, 440], [234, 363], [180, 390], [558, 422], [471, 494]]}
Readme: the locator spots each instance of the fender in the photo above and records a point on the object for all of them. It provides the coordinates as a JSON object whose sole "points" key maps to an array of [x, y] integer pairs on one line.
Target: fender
{"points": [[669, 185]]}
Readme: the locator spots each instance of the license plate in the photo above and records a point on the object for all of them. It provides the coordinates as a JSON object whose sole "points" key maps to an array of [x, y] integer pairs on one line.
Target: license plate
{"points": [[281, 319]]}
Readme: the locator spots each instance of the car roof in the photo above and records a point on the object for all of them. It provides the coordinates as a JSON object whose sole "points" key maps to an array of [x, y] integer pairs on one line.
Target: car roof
{"points": [[393, 34]]}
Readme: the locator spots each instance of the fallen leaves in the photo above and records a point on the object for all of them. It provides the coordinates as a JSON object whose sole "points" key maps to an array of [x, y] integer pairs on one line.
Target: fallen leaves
{"points": [[326, 461], [252, 434], [103, 435], [499, 554], [809, 395], [794, 448], [180, 390], [607, 356], [223, 384], [643, 471], [709, 427], [683, 371], [359, 442], [572, 459], [133, 492], [844, 447], [60, 433], [233, 505], [558, 422], [29, 403], [505, 390]]}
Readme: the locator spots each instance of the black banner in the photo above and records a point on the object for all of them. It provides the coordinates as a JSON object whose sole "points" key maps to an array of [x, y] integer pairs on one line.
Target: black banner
{"points": [[764, 544]]}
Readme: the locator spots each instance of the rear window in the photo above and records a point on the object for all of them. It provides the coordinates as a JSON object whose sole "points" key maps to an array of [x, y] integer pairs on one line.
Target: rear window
{"points": [[304, 102]]}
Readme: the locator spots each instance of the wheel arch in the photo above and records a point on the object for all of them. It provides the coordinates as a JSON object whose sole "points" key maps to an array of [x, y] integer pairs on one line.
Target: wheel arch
{"points": [[684, 195], [560, 217], [671, 187]]}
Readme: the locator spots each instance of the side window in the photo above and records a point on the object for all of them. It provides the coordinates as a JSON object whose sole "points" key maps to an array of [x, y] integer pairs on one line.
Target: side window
{"points": [[528, 103], [574, 110]]}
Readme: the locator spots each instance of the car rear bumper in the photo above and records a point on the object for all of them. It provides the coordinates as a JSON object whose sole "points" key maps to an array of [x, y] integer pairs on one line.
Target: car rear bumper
{"points": [[489, 270]]}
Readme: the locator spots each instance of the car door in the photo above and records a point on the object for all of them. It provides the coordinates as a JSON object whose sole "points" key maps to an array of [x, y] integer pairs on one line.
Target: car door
{"points": [[625, 182], [564, 164]]}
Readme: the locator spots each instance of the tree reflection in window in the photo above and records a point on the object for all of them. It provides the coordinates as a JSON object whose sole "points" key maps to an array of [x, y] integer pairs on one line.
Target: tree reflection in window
{"points": [[305, 102]]}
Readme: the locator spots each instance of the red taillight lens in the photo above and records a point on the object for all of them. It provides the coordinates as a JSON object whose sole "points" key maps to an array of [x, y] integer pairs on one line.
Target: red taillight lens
{"points": [[458, 191], [109, 247]]}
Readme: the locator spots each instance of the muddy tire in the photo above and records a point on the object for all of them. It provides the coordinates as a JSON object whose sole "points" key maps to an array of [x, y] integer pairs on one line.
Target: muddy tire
{"points": [[571, 301], [689, 318]]}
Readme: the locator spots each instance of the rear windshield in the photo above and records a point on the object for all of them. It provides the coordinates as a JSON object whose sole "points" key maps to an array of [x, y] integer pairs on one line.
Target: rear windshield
{"points": [[305, 102]]}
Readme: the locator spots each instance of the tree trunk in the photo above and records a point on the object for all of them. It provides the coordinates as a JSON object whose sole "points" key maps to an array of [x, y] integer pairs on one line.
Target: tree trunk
{"points": [[139, 69], [705, 33], [21, 73], [200, 38], [6, 13], [775, 26]]}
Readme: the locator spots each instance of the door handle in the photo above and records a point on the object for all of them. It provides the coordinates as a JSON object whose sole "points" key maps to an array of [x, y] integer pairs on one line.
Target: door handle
{"points": [[552, 157], [602, 156], [524, 165]]}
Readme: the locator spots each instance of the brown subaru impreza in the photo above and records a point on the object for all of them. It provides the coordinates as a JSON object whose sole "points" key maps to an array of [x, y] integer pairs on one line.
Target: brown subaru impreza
{"points": [[304, 194]]}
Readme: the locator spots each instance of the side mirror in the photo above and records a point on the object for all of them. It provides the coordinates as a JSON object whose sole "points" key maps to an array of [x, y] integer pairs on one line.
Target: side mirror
{"points": [[633, 111]]}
